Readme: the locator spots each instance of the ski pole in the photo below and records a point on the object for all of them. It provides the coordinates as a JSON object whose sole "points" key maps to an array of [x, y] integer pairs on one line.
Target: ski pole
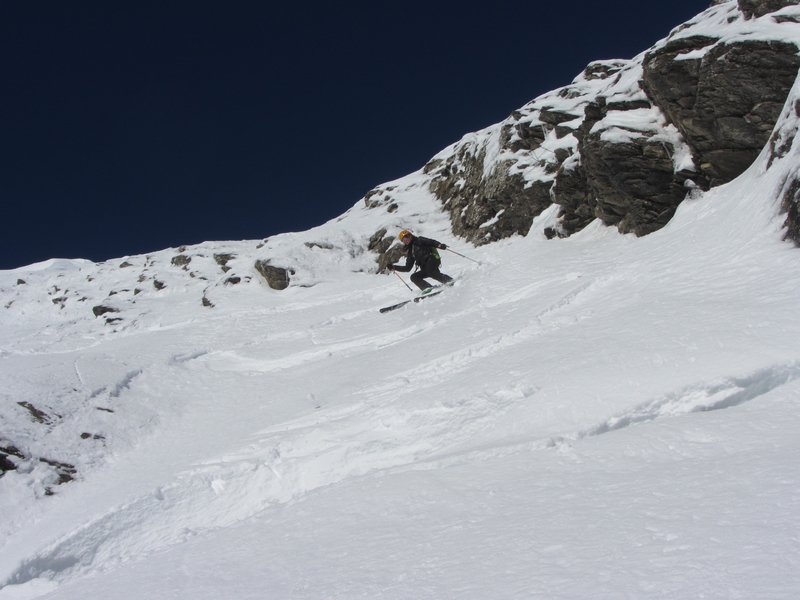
{"points": [[401, 279], [462, 256]]}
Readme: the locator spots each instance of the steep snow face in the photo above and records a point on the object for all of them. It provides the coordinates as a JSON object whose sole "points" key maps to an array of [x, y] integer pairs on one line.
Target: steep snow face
{"points": [[601, 415]]}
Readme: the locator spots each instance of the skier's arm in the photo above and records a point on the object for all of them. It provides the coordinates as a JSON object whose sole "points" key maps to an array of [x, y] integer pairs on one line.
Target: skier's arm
{"points": [[408, 265], [430, 242]]}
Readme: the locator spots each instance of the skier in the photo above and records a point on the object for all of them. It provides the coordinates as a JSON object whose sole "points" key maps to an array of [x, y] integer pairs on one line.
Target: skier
{"points": [[422, 251]]}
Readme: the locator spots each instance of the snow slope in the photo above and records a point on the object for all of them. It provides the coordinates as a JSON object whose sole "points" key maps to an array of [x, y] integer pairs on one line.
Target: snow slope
{"points": [[600, 416], [551, 425]]}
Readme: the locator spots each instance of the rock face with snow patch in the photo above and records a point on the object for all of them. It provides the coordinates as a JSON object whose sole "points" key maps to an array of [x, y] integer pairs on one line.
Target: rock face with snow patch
{"points": [[488, 207], [722, 98], [759, 8], [724, 102], [631, 174], [276, 277], [782, 145], [627, 139]]}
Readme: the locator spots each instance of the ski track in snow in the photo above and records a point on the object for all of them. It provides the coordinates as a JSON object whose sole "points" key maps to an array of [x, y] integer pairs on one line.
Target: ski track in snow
{"points": [[281, 464], [373, 432], [704, 397]]}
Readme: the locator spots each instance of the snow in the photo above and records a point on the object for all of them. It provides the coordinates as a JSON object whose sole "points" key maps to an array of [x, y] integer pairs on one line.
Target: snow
{"points": [[725, 23], [601, 416]]}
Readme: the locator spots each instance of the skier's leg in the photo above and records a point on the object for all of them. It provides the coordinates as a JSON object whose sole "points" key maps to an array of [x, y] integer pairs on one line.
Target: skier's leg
{"points": [[418, 279], [442, 278], [434, 273]]}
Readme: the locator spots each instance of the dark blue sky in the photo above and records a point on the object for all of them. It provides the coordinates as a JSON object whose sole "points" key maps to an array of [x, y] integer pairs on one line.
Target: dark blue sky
{"points": [[129, 127]]}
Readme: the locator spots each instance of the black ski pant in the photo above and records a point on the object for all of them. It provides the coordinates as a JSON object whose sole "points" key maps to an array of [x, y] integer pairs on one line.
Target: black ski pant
{"points": [[431, 269]]}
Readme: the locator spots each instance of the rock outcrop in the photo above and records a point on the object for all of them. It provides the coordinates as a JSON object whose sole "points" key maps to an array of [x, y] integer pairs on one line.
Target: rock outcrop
{"points": [[726, 102], [488, 207], [276, 277], [713, 103], [782, 144], [759, 8], [627, 140]]}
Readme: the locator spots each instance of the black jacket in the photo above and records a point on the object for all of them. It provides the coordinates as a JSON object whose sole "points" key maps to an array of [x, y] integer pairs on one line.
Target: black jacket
{"points": [[421, 250]]}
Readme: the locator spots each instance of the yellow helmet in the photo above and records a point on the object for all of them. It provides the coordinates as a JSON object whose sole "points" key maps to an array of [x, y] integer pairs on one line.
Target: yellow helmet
{"points": [[403, 234]]}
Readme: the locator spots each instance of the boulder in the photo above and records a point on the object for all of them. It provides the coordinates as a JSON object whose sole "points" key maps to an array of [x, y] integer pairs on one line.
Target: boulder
{"points": [[276, 277]]}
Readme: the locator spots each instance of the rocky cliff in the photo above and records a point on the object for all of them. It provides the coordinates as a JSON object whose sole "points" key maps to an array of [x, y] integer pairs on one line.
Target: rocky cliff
{"points": [[627, 140]]}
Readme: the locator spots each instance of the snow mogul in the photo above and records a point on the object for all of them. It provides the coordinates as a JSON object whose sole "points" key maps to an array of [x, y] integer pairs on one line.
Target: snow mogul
{"points": [[423, 252]]}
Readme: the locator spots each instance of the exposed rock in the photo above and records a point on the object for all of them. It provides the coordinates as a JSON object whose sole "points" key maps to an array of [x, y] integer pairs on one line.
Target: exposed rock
{"points": [[101, 310], [576, 198], [626, 140], [159, 285], [381, 243], [791, 204], [784, 136], [603, 69], [9, 456], [380, 196], [276, 277], [64, 471], [486, 209], [628, 180], [634, 182], [5, 463], [724, 103], [759, 8], [392, 256], [37, 415], [181, 260], [222, 260]]}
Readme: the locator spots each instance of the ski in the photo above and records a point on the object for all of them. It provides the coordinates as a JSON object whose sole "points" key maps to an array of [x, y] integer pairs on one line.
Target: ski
{"points": [[404, 302]]}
